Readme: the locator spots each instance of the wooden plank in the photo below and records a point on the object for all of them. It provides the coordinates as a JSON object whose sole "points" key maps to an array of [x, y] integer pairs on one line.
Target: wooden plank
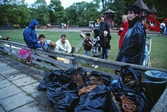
{"points": [[45, 65], [55, 62], [55, 54], [161, 105], [115, 65]]}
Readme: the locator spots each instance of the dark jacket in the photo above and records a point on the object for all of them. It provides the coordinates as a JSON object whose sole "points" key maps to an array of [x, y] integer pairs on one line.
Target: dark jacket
{"points": [[133, 46], [103, 26], [87, 44], [105, 41], [30, 36]]}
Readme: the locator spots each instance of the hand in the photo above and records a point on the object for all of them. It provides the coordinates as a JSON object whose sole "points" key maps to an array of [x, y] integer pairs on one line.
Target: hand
{"points": [[38, 42], [121, 29]]}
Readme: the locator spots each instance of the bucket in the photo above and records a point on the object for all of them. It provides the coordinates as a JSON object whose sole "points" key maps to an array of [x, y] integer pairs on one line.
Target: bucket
{"points": [[154, 85]]}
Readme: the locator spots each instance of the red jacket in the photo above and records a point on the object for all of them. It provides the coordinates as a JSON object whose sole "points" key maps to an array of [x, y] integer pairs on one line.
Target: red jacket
{"points": [[122, 33]]}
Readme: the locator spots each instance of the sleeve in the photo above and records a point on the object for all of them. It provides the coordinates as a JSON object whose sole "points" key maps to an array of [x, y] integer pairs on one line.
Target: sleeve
{"points": [[134, 45], [69, 46], [28, 36], [57, 46], [108, 27], [52, 44]]}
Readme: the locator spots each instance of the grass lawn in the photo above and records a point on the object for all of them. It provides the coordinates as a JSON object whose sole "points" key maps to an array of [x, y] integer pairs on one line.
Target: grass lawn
{"points": [[158, 49]]}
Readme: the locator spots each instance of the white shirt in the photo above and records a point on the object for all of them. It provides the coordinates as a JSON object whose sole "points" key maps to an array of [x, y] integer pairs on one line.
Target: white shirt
{"points": [[162, 25], [63, 47]]}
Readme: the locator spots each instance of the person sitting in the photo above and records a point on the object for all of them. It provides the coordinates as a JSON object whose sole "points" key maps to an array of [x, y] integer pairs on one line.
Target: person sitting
{"points": [[7, 38], [46, 45], [63, 45], [30, 36]]}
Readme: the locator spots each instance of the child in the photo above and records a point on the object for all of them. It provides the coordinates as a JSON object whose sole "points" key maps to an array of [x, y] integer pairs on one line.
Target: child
{"points": [[105, 44], [47, 45], [87, 45], [123, 29], [96, 45]]}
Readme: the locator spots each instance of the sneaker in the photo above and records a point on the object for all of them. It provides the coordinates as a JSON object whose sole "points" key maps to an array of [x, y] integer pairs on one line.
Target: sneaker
{"points": [[96, 66], [28, 62], [93, 65]]}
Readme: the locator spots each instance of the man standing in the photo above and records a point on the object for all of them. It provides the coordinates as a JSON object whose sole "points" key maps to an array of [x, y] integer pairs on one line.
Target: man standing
{"points": [[133, 46]]}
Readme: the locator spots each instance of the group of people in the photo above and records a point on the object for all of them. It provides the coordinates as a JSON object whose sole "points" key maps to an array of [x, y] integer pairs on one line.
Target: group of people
{"points": [[97, 44], [132, 38], [131, 44], [34, 42], [132, 41], [100, 41]]}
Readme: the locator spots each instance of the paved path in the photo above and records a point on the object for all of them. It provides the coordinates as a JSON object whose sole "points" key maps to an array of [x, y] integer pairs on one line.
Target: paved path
{"points": [[18, 87]]}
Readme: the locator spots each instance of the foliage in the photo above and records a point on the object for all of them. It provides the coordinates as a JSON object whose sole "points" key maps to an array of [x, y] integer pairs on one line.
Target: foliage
{"points": [[56, 11], [79, 13], [40, 12], [120, 9], [14, 14], [82, 13]]}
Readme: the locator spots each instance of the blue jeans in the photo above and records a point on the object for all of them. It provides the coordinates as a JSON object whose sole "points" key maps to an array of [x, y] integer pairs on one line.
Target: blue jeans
{"points": [[165, 31], [86, 53], [105, 53]]}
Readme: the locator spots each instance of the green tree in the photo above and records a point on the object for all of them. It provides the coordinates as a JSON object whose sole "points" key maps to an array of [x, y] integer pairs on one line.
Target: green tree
{"points": [[119, 9], [82, 12], [56, 11], [40, 12], [21, 14], [14, 13]]}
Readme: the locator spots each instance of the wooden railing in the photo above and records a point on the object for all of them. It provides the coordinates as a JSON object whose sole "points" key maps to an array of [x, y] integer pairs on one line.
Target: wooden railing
{"points": [[68, 60]]}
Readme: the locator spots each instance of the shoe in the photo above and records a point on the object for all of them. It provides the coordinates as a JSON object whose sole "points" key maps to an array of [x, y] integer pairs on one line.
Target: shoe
{"points": [[96, 66], [28, 62], [93, 65]]}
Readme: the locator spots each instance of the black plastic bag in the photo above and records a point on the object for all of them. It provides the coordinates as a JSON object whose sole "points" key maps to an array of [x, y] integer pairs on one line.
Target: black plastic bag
{"points": [[95, 101], [64, 98], [106, 80], [44, 83], [133, 93]]}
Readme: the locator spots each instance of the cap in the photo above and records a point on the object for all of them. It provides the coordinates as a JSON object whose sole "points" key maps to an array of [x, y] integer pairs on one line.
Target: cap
{"points": [[87, 34]]}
